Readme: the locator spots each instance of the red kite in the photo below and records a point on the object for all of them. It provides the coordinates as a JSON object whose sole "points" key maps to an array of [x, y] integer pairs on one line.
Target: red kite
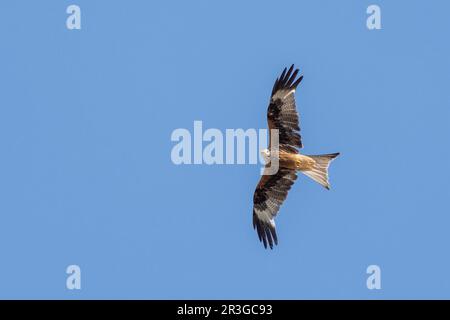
{"points": [[272, 189]]}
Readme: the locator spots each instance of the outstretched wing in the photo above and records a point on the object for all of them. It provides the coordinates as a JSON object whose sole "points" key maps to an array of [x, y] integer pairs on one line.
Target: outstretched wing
{"points": [[282, 113], [270, 193]]}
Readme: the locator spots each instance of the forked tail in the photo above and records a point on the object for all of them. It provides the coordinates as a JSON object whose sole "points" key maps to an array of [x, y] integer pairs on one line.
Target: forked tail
{"points": [[319, 171]]}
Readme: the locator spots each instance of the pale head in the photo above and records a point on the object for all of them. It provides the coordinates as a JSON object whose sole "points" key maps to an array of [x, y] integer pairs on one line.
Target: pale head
{"points": [[265, 153]]}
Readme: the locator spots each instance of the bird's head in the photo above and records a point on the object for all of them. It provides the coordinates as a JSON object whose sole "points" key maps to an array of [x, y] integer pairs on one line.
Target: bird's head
{"points": [[265, 153]]}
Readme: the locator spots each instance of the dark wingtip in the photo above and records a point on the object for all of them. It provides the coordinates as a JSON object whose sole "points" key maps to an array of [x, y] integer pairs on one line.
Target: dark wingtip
{"points": [[266, 233], [265, 242], [292, 78], [287, 79], [275, 238], [297, 82], [282, 75]]}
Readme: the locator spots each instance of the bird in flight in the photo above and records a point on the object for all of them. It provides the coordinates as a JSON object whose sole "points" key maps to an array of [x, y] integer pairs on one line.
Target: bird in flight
{"points": [[272, 188]]}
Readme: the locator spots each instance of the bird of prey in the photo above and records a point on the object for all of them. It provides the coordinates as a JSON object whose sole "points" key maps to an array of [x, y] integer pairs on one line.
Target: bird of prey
{"points": [[272, 189]]}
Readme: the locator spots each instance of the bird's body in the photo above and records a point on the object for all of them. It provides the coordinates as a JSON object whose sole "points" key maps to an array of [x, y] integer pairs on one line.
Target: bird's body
{"points": [[290, 160], [272, 189]]}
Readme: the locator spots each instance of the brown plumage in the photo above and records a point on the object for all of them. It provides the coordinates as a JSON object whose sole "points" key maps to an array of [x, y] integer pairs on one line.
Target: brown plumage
{"points": [[272, 189]]}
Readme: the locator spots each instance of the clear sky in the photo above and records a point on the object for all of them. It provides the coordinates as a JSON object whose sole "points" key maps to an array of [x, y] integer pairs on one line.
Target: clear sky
{"points": [[86, 176]]}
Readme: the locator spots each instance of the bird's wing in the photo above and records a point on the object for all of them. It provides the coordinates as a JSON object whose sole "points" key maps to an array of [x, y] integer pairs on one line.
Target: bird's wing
{"points": [[270, 193], [282, 113]]}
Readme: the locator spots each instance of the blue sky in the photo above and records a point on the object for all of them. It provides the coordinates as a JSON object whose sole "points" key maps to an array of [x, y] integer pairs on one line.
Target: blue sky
{"points": [[86, 176]]}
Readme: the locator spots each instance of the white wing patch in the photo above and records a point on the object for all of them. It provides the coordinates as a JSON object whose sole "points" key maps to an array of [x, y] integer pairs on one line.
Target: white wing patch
{"points": [[289, 93]]}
